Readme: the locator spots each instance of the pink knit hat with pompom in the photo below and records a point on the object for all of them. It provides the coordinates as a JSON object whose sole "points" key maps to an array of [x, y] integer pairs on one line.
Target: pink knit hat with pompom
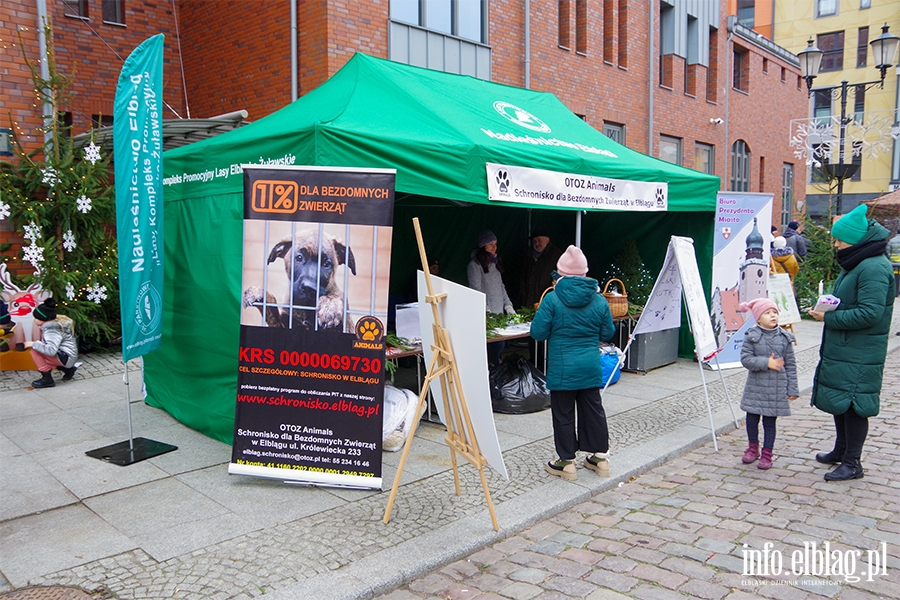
{"points": [[757, 306]]}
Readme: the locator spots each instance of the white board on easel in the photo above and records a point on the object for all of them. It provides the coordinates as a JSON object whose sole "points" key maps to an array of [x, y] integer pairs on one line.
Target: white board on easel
{"points": [[680, 278]]}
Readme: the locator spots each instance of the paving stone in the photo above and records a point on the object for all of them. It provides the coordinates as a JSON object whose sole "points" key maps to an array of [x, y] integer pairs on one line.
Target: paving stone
{"points": [[610, 579], [569, 586], [521, 591]]}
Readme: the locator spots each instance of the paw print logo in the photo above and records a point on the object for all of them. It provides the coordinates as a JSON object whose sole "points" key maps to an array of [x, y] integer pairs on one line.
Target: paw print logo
{"points": [[503, 181], [660, 198], [369, 329]]}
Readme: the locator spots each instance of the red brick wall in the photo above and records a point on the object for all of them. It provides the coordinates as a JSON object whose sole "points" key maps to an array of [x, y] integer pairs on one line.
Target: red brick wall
{"points": [[254, 70], [91, 52]]}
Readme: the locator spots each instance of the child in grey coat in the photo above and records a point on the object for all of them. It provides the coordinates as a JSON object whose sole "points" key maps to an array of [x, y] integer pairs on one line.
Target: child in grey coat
{"points": [[768, 353]]}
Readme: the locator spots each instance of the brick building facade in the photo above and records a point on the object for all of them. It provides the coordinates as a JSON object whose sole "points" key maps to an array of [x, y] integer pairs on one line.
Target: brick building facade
{"points": [[646, 72]]}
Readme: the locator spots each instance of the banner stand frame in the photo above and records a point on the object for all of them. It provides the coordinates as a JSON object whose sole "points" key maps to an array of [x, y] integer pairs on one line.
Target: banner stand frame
{"points": [[133, 449], [460, 432]]}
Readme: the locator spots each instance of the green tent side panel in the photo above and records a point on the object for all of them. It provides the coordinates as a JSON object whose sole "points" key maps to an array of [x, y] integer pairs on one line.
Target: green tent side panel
{"points": [[193, 374]]}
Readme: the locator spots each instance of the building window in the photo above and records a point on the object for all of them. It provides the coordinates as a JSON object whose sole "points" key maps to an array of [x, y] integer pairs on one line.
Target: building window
{"points": [[765, 65], [98, 121], [865, 4], [746, 13], [623, 33], [581, 27], [64, 122], [76, 8], [856, 159], [666, 44], [859, 103], [741, 71], [704, 158], [826, 8], [817, 172], [114, 11], [462, 18], [563, 15], [832, 47], [787, 194], [670, 149], [614, 131], [822, 107], [762, 173], [609, 31], [712, 72], [740, 167], [783, 74], [862, 47]]}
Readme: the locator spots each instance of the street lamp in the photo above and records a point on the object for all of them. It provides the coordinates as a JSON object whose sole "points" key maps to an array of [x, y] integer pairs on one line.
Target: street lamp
{"points": [[884, 47]]}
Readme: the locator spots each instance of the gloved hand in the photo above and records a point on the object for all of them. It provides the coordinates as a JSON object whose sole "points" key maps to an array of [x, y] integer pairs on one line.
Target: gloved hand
{"points": [[508, 309]]}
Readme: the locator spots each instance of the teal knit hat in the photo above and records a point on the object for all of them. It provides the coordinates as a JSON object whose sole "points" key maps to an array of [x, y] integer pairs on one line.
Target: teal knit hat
{"points": [[851, 227]]}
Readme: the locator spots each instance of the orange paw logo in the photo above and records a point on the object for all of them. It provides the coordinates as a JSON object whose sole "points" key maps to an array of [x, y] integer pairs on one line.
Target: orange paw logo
{"points": [[369, 329]]}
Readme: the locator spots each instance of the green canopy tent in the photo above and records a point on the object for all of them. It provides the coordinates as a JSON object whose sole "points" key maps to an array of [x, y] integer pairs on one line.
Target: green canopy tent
{"points": [[438, 131]]}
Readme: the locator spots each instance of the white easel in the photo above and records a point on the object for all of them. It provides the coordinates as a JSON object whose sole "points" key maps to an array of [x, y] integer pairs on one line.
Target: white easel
{"points": [[460, 431]]}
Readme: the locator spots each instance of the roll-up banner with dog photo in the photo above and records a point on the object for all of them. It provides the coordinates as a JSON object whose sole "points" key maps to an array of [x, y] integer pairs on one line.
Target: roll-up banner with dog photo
{"points": [[310, 390]]}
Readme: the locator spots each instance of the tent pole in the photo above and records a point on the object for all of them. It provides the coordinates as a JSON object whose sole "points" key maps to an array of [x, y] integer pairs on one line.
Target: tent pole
{"points": [[578, 228]]}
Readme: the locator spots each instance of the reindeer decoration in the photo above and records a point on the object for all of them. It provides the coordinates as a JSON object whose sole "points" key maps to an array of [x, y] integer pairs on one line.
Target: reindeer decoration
{"points": [[21, 304]]}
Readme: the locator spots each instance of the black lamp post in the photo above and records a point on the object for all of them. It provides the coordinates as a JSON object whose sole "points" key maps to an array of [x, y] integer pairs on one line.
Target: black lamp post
{"points": [[883, 49]]}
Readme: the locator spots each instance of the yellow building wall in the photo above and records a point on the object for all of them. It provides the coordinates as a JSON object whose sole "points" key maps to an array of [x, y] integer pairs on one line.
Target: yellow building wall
{"points": [[795, 23]]}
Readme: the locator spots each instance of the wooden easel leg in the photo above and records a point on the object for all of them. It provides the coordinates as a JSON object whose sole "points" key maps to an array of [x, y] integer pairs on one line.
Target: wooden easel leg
{"points": [[423, 397]]}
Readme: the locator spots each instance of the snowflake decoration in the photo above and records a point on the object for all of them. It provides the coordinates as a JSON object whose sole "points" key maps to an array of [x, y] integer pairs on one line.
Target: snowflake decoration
{"points": [[32, 232], [50, 176], [96, 293], [69, 240], [813, 139], [4, 211], [92, 152], [34, 254], [70, 291], [872, 137], [84, 204]]}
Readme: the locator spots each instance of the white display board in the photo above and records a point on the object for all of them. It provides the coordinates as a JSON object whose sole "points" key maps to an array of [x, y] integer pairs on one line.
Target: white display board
{"points": [[679, 277], [781, 292], [462, 314]]}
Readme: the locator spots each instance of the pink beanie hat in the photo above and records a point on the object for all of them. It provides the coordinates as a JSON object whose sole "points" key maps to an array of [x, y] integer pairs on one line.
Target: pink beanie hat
{"points": [[758, 306], [572, 263]]}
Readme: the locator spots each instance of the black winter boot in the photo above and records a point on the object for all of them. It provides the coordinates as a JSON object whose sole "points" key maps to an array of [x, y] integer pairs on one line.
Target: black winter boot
{"points": [[45, 381], [830, 458], [850, 469]]}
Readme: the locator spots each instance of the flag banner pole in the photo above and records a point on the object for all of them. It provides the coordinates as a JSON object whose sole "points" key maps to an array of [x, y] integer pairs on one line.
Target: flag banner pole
{"points": [[137, 147]]}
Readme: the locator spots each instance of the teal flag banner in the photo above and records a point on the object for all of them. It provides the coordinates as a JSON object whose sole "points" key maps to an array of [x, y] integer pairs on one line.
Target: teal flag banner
{"points": [[137, 143]]}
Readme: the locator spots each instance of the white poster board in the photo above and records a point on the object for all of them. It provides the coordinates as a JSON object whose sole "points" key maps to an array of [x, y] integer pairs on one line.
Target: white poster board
{"points": [[679, 277], [463, 316], [781, 292]]}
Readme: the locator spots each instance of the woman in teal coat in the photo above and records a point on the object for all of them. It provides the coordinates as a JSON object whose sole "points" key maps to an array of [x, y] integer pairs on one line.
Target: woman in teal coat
{"points": [[575, 318], [847, 383]]}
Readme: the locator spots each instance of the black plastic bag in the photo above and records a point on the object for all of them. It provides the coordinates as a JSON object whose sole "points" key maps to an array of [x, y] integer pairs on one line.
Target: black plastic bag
{"points": [[517, 387]]}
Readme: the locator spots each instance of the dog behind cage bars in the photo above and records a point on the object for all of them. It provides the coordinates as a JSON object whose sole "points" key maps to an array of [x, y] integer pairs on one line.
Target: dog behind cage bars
{"points": [[314, 299]]}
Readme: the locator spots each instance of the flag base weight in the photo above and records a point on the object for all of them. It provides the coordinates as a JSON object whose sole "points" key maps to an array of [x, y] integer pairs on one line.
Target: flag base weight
{"points": [[125, 453]]}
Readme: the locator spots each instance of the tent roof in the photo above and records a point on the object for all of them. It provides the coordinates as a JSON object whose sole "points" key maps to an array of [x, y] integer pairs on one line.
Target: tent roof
{"points": [[436, 129]]}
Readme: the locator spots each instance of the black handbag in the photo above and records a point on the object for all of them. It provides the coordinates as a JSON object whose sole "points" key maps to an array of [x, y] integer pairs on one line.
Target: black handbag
{"points": [[63, 357]]}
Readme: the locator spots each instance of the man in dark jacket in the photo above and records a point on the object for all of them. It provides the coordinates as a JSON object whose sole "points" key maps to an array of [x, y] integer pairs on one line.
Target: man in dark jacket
{"points": [[847, 382], [794, 240], [540, 261]]}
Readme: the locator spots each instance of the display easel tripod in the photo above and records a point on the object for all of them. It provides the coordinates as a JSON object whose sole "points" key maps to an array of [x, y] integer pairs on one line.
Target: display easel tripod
{"points": [[460, 433]]}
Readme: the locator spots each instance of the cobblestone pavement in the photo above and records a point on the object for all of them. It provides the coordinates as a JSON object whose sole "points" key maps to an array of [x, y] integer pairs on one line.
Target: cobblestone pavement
{"points": [[686, 529], [95, 364]]}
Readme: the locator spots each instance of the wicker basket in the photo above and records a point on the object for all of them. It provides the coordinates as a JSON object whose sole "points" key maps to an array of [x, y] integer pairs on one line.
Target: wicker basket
{"points": [[618, 304], [537, 304]]}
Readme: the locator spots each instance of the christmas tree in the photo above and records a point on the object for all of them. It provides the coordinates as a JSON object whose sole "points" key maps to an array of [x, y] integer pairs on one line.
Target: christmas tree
{"points": [[637, 279], [59, 198]]}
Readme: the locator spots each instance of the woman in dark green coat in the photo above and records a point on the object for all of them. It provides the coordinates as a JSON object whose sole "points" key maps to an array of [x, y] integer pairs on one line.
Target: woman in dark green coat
{"points": [[847, 383]]}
